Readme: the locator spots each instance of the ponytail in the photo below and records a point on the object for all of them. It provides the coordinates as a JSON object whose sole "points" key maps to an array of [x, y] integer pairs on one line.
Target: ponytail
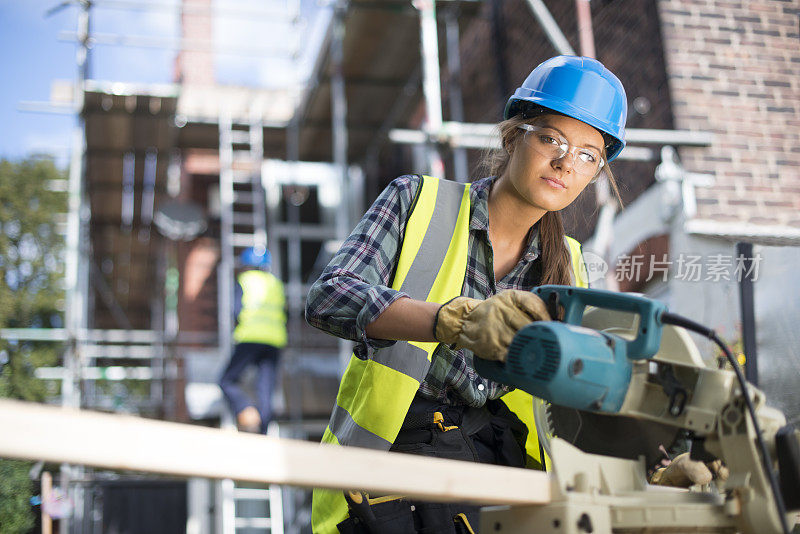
{"points": [[556, 261]]}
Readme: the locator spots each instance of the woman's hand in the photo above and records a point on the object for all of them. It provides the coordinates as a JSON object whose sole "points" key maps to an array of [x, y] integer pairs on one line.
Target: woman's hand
{"points": [[684, 472], [486, 327]]}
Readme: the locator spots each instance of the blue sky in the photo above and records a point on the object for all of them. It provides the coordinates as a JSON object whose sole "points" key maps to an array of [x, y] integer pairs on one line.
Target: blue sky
{"points": [[33, 56]]}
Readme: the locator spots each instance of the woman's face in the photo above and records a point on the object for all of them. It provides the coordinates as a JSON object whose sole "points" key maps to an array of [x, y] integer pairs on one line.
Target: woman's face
{"points": [[551, 182]]}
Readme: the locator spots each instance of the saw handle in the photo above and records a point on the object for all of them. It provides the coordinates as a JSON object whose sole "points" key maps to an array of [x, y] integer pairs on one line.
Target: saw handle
{"points": [[574, 301]]}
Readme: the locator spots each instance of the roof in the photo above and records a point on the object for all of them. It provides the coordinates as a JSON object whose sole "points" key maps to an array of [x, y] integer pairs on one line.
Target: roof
{"points": [[380, 57], [125, 133]]}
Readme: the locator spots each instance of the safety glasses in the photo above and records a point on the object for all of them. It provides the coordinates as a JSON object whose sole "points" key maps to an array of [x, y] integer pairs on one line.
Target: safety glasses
{"points": [[552, 145]]}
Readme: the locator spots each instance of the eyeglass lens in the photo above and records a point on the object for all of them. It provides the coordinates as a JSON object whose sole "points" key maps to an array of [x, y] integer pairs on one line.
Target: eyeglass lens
{"points": [[552, 145]]}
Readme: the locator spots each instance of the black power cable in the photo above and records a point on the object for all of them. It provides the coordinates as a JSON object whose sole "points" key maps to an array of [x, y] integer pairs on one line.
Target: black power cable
{"points": [[677, 320]]}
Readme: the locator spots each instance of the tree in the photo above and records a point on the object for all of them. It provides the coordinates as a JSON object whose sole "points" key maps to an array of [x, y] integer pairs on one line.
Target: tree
{"points": [[31, 296]]}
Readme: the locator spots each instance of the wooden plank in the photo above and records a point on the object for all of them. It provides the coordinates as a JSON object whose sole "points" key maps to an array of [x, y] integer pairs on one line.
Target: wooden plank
{"points": [[47, 490], [54, 434]]}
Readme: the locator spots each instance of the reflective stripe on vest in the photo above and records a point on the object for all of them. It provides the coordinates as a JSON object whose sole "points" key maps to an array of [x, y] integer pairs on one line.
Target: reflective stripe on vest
{"points": [[262, 319], [431, 267], [374, 394]]}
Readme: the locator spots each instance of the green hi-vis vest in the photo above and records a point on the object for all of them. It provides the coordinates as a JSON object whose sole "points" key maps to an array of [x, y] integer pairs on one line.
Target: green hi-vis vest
{"points": [[262, 319], [375, 393]]}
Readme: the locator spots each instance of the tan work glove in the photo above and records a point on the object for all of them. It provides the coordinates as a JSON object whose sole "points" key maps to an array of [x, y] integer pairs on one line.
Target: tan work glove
{"points": [[683, 472], [486, 327]]}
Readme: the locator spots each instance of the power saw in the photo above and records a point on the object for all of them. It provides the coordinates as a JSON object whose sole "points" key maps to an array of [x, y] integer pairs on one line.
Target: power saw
{"points": [[627, 355]]}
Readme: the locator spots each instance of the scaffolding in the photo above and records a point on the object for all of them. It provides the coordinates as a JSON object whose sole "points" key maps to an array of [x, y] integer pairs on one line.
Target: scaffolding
{"points": [[267, 169]]}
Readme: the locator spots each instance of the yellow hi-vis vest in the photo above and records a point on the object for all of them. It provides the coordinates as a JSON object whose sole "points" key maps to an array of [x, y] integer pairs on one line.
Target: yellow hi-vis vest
{"points": [[262, 319], [375, 393]]}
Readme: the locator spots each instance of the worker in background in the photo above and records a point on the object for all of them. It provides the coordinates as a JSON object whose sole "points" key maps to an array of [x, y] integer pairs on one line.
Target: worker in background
{"points": [[437, 273], [259, 335]]}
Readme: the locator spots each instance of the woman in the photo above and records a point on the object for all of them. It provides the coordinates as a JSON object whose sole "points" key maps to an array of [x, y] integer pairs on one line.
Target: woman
{"points": [[447, 269]]}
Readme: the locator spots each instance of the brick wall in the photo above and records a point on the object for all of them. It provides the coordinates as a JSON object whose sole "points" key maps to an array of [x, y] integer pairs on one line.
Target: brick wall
{"points": [[197, 302], [733, 70], [197, 260]]}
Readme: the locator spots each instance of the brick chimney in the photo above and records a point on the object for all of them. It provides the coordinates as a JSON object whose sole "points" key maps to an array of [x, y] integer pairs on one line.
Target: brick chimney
{"points": [[196, 65]]}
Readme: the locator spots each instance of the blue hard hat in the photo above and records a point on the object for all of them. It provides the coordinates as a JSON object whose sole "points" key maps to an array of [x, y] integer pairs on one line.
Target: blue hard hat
{"points": [[581, 88], [256, 257]]}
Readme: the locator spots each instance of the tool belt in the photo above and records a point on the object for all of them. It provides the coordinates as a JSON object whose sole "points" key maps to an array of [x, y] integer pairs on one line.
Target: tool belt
{"points": [[491, 434]]}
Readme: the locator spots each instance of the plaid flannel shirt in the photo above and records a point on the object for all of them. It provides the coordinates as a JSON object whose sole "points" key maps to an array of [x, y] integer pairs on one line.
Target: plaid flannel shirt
{"points": [[354, 289]]}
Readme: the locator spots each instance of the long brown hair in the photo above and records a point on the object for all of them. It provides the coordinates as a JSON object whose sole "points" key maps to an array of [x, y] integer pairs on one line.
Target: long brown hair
{"points": [[556, 260]]}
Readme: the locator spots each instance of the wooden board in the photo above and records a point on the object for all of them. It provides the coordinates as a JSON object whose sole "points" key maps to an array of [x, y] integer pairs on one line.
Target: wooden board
{"points": [[38, 432]]}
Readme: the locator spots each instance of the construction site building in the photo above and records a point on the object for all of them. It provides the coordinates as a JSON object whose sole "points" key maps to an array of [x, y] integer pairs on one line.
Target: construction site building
{"points": [[170, 183]]}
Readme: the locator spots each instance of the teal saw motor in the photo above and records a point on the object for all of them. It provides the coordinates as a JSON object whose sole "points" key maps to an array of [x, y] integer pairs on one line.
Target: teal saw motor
{"points": [[567, 364]]}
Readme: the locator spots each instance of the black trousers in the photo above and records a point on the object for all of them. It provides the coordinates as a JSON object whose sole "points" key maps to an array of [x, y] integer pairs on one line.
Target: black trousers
{"points": [[265, 358], [492, 435]]}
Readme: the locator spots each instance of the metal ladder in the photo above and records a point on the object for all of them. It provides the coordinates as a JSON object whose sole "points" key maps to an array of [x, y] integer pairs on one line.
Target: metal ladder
{"points": [[243, 508], [258, 508], [242, 202]]}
